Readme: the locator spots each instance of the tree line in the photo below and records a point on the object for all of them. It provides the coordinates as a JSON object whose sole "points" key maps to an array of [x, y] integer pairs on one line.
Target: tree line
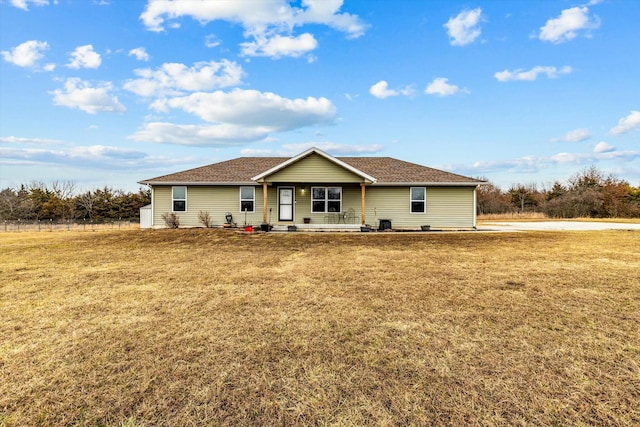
{"points": [[61, 202], [588, 193]]}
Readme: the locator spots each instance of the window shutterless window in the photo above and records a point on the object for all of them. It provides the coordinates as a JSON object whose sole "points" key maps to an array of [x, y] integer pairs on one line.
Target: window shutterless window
{"points": [[418, 199], [179, 199], [247, 199], [326, 199]]}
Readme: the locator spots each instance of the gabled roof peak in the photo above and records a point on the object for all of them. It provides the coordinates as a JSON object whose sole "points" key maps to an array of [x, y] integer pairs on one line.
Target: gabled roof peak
{"points": [[310, 151]]}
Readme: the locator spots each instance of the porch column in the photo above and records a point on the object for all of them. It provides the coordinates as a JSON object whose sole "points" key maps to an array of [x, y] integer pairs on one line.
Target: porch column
{"points": [[362, 191], [264, 202]]}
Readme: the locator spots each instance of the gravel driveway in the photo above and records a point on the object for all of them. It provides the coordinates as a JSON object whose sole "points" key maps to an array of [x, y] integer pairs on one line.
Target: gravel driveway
{"points": [[556, 225]]}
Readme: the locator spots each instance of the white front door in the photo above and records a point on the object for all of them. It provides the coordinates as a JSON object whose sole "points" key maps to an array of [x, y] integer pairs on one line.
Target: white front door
{"points": [[285, 204]]}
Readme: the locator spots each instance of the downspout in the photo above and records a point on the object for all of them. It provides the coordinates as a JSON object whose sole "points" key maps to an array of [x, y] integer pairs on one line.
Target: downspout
{"points": [[363, 203], [152, 204]]}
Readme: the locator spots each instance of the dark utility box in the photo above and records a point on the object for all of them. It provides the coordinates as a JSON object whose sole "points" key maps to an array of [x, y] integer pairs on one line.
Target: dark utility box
{"points": [[385, 224]]}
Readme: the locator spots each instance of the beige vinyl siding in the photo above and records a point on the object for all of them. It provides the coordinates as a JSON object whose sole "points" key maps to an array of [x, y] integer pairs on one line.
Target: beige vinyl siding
{"points": [[217, 200], [314, 168], [450, 207], [447, 207], [162, 203]]}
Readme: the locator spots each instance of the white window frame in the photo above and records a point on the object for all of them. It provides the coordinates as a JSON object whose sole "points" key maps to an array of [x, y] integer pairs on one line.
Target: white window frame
{"points": [[326, 199], [252, 199], [412, 201], [174, 200]]}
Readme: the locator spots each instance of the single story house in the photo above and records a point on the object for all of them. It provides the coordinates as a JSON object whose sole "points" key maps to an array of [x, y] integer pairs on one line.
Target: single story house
{"points": [[316, 190]]}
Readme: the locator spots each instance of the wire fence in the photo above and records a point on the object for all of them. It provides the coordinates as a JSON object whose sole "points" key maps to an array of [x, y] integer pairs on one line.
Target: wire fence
{"points": [[75, 225]]}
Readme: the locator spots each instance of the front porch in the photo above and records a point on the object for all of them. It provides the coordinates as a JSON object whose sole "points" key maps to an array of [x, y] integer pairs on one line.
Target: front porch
{"points": [[314, 205]]}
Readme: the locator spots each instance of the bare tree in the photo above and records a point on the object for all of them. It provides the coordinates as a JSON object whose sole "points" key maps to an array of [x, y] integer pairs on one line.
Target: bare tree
{"points": [[524, 195], [9, 204], [65, 191], [86, 201], [491, 199]]}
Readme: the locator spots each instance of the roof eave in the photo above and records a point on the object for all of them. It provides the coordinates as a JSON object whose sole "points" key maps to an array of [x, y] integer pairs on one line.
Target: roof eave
{"points": [[429, 184], [192, 183]]}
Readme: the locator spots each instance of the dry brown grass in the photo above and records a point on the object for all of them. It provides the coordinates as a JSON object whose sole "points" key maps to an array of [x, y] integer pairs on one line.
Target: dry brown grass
{"points": [[209, 327], [540, 217], [514, 216]]}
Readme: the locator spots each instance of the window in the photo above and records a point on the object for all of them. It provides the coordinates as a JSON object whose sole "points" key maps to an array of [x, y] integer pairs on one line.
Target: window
{"points": [[326, 199], [247, 199], [418, 199], [179, 199]]}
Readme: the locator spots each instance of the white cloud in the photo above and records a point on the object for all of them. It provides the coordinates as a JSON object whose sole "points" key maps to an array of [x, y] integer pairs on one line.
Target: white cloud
{"points": [[566, 26], [407, 90], [176, 79], [575, 135], [235, 117], [81, 95], [269, 23], [82, 156], [26, 54], [253, 15], [589, 158], [140, 53], [101, 151], [333, 148], [84, 57], [31, 141], [439, 86], [603, 147], [157, 12], [532, 74], [279, 46], [327, 12], [381, 90], [627, 124], [254, 109], [531, 164], [212, 41], [464, 29], [88, 164], [221, 135], [522, 164], [24, 4]]}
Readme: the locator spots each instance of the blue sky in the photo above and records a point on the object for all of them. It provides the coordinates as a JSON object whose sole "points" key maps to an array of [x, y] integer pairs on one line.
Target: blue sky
{"points": [[110, 92]]}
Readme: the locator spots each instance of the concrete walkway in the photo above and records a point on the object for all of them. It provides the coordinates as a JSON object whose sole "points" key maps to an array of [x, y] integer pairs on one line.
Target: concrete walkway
{"points": [[556, 225]]}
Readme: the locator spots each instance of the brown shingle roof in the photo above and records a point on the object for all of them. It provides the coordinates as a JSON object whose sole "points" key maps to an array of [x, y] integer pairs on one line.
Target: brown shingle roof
{"points": [[386, 170], [237, 170], [390, 170]]}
